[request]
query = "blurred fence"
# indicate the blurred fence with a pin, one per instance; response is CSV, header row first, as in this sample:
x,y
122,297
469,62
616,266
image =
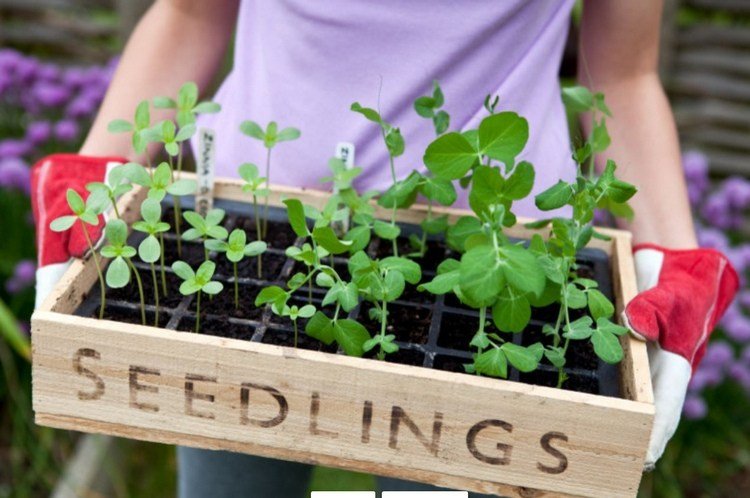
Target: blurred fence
x,y
705,59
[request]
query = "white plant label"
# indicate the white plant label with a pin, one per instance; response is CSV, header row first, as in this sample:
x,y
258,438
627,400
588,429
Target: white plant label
x,y
204,198
345,152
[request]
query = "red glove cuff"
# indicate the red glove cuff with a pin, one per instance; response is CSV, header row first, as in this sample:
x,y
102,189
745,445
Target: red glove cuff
x,y
690,292
51,177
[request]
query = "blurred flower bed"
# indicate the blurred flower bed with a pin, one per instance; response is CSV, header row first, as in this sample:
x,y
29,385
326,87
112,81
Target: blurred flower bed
x,y
46,108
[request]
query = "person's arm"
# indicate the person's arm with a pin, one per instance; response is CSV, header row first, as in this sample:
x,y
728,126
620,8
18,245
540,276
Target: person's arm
x,y
176,41
619,52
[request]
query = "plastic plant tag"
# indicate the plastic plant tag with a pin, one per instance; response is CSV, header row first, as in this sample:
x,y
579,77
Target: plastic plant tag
x,y
345,152
206,162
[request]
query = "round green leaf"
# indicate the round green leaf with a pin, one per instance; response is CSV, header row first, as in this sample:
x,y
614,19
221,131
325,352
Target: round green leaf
x,y
182,187
607,346
511,312
450,156
118,273
62,223
149,249
213,287
503,136
183,270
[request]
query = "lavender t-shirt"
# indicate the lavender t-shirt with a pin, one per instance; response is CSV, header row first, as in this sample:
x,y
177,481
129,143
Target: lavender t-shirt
x,y
302,63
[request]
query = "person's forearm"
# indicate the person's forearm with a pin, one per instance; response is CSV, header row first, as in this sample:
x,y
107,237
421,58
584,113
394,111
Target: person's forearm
x,y
646,149
176,41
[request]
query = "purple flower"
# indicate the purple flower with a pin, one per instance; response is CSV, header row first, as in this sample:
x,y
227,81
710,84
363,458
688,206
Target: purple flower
x,y
741,374
50,94
694,408
14,148
38,132
695,165
48,72
737,327
737,192
718,354
84,105
22,278
705,376
14,173
712,238
66,130
716,211
743,298
745,356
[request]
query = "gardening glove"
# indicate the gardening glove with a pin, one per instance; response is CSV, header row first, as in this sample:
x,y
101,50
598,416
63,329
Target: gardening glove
x,y
683,294
51,177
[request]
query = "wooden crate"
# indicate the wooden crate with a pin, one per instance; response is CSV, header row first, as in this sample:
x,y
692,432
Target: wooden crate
x,y
453,430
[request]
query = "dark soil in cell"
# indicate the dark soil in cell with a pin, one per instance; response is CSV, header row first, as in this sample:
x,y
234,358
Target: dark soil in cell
x,y
457,330
283,337
130,293
450,363
580,383
280,235
128,315
384,248
585,270
218,326
403,356
222,304
192,253
271,266
409,323
413,295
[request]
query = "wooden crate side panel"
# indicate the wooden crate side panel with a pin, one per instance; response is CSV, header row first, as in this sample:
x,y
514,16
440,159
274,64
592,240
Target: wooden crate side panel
x,y
188,389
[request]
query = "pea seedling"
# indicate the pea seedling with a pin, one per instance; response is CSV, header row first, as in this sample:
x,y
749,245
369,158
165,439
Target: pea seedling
x,y
150,249
236,248
118,271
86,213
196,282
270,138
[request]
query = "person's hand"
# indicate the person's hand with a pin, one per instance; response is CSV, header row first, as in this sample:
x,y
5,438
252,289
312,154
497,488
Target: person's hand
x,y
683,294
51,177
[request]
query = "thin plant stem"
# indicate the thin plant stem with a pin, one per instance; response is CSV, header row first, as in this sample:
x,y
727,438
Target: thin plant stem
x,y
482,320
198,314
309,291
383,320
265,202
393,222
114,206
423,247
295,332
260,234
102,296
236,287
178,224
161,257
156,294
140,289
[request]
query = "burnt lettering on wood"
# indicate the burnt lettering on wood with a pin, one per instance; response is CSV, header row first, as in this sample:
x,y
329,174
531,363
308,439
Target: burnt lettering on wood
x,y
191,394
136,386
398,415
81,370
245,403
471,442
314,412
366,421
562,460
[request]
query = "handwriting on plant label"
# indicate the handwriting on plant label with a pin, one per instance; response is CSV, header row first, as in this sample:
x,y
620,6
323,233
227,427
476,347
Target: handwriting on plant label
x,y
483,440
205,171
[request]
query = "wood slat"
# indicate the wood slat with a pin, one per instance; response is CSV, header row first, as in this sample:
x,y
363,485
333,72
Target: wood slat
x,y
706,84
731,6
716,61
703,35
691,113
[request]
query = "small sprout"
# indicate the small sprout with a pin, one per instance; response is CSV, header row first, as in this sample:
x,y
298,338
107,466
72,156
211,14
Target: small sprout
x,y
187,105
270,138
254,184
106,194
236,248
160,184
150,249
293,313
196,282
166,133
140,128
86,213
205,228
118,272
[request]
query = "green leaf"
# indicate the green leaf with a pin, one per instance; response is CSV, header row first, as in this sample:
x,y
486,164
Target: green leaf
x,y
575,297
212,287
555,355
320,327
205,271
255,248
350,335
151,211
164,103
394,285
620,191
118,273
395,142
75,202
149,249
554,197
349,297
62,223
579,329
492,363
440,190
481,277
306,311
288,134
599,305
425,106
183,270
207,108
409,269
89,217
368,113
252,129
116,232
607,346
296,214
605,325
442,121
386,230
464,227
450,156
185,132
511,312
326,237
577,99
522,270
442,283
434,226
487,186
359,236
600,139
189,287
520,182
269,294
119,126
503,136
524,359
142,116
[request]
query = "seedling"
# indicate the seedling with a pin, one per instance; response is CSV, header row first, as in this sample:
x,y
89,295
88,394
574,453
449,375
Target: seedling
x,y
293,313
270,138
118,271
237,248
140,128
107,193
254,184
86,213
196,282
150,249
402,193
205,228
